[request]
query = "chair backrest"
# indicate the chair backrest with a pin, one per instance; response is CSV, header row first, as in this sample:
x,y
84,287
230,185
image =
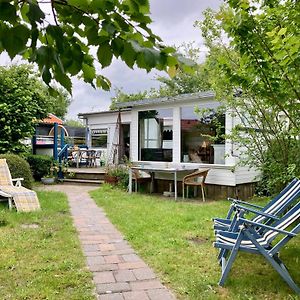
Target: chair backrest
x,y
290,218
5,177
282,201
203,174
136,174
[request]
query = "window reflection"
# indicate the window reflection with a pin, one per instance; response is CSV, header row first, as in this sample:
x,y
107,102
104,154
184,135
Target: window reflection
x,y
199,136
156,135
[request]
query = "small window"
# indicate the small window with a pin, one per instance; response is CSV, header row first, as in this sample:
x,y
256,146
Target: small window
x,y
99,138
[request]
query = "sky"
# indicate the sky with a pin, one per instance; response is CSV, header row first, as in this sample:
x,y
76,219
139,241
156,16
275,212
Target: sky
x,y
173,21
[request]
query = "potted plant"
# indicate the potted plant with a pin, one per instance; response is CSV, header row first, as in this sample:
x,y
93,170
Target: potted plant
x,y
116,174
50,178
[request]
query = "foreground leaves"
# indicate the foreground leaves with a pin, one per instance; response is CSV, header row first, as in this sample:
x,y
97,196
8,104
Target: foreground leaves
x,y
62,42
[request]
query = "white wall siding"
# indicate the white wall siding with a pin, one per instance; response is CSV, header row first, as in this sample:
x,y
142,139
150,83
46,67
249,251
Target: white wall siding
x,y
176,135
134,136
246,175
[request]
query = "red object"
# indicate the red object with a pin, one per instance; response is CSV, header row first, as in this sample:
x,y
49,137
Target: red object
x,y
51,119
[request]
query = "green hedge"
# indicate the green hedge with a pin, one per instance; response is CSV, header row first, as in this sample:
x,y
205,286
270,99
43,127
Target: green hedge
x,y
19,168
40,165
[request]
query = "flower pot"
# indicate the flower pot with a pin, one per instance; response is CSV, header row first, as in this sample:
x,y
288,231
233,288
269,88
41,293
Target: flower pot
x,y
113,180
48,180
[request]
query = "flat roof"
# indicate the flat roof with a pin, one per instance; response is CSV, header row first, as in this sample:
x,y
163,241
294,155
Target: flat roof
x,y
169,99
126,106
103,112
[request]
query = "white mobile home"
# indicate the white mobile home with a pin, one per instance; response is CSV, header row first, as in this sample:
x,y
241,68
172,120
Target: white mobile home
x,y
169,130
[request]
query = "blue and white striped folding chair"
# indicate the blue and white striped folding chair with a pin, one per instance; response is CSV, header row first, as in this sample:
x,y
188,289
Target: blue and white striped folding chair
x,y
249,240
262,214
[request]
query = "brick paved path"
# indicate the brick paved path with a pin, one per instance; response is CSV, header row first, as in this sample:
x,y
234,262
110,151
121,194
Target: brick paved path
x,y
118,272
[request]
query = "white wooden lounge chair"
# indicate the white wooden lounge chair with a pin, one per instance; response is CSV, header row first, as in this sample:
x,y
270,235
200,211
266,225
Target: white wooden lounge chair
x,y
23,199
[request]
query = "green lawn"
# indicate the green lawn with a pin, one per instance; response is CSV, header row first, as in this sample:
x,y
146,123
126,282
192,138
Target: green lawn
x,y
44,262
175,239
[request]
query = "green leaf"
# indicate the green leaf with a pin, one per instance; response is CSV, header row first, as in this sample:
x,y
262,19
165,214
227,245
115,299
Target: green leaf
x,y
16,40
128,55
150,58
7,12
172,71
35,14
108,27
98,4
89,72
92,35
282,31
104,55
117,46
57,34
79,3
46,75
103,82
63,79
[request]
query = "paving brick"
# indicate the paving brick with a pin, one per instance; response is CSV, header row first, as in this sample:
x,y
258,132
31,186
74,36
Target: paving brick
x,y
95,260
124,275
135,295
106,247
103,267
143,273
146,285
114,296
132,265
160,294
90,248
112,259
131,257
108,288
104,277
118,252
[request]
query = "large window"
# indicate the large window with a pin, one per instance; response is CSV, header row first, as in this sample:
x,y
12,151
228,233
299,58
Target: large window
x,y
202,135
156,135
99,138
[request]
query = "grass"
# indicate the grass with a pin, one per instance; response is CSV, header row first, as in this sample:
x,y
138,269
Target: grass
x,y
175,239
43,262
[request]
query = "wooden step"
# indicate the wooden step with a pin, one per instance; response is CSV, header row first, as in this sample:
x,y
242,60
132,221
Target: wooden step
x,y
83,181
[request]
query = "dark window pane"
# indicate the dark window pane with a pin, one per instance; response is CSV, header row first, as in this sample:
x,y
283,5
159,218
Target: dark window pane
x,y
156,135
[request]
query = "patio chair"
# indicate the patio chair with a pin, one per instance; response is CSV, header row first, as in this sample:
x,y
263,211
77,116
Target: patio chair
x,y
195,179
265,214
249,240
24,199
140,177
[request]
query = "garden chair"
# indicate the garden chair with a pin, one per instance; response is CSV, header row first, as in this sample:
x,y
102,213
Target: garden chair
x,y
140,177
262,214
249,240
195,179
23,199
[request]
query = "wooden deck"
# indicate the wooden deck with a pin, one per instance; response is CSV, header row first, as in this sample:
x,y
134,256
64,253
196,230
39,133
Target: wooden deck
x,y
97,170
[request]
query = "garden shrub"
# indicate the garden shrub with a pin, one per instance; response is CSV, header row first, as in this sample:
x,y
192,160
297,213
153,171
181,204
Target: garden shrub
x,y
121,173
40,165
19,168
279,167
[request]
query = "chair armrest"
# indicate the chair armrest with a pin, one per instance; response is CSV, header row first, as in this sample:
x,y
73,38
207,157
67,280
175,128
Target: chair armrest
x,y
241,207
18,181
245,221
196,174
244,203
